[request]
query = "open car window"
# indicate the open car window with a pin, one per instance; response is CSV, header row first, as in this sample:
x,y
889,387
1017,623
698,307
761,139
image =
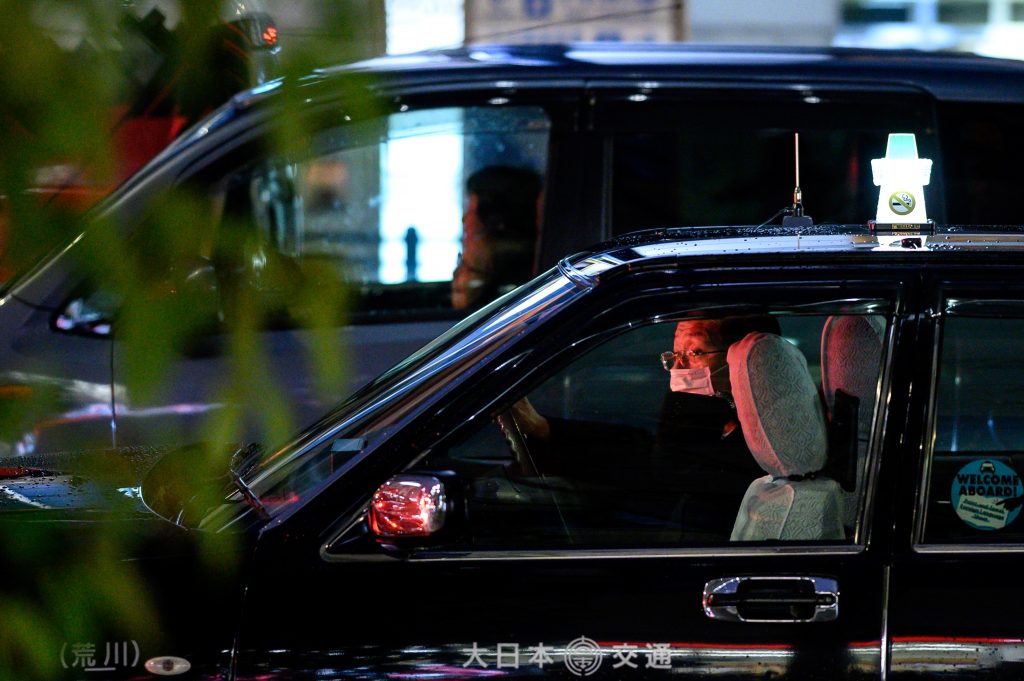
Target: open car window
x,y
613,450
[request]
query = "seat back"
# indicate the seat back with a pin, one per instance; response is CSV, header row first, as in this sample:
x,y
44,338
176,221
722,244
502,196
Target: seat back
x,y
851,356
784,426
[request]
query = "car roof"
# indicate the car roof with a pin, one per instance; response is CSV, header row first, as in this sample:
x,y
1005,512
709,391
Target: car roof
x,y
654,247
948,76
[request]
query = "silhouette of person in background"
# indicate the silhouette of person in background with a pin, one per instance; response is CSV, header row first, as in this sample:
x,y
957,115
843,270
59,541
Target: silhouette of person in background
x,y
499,234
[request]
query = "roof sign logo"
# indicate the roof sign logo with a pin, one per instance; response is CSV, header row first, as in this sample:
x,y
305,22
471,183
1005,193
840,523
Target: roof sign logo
x,y
901,203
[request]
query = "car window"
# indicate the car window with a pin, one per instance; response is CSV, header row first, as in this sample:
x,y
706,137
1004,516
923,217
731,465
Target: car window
x,y
974,489
644,441
422,211
979,144
730,160
424,214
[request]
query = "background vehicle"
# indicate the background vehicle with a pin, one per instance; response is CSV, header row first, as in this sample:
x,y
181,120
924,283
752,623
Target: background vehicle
x,y
624,137
567,561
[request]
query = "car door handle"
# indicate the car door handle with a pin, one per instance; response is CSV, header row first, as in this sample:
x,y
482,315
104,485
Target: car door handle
x,y
772,599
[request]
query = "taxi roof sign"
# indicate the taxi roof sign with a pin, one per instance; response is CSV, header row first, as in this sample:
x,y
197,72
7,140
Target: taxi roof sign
x,y
902,176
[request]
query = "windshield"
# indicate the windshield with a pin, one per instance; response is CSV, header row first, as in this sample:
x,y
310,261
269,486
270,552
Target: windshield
x,y
283,477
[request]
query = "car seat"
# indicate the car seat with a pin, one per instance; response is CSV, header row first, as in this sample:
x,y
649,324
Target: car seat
x,y
851,355
783,424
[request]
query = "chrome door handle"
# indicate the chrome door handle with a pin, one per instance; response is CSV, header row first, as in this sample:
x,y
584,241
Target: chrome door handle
x,y
772,599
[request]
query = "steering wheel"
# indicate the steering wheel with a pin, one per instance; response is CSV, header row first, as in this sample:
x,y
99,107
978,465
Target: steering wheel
x,y
525,467
516,442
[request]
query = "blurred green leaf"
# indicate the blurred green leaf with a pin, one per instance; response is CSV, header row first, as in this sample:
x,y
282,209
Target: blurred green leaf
x,y
71,84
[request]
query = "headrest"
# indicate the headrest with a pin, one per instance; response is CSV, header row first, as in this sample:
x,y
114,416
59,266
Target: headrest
x,y
777,405
851,354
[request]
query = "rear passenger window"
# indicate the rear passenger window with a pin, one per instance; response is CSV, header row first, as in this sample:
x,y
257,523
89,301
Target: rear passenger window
x,y
700,431
975,491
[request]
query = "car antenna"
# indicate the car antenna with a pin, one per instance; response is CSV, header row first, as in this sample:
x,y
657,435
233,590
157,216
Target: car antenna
x,y
795,217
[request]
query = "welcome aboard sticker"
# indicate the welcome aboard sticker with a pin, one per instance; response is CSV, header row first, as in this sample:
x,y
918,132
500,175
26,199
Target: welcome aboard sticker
x,y
981,491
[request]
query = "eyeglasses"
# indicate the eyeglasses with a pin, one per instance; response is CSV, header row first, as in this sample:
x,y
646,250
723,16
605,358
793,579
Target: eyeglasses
x,y
669,359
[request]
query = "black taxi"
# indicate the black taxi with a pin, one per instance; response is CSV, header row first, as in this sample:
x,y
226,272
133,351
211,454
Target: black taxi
x,y
759,452
875,533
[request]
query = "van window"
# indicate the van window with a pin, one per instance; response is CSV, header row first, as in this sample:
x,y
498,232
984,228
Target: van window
x,y
398,205
728,159
981,144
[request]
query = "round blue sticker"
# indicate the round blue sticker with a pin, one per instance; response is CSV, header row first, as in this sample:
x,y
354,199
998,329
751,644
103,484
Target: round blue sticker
x,y
987,494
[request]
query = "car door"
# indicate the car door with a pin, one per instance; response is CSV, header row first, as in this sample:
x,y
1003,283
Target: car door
x,y
954,605
583,557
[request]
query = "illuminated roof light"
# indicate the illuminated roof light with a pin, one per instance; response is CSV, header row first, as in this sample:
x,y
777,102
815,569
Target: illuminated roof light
x,y
902,177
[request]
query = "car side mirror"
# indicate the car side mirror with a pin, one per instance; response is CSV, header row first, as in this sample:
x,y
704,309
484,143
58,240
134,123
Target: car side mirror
x,y
90,317
408,506
94,313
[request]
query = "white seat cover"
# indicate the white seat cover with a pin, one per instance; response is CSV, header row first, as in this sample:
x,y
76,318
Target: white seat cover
x,y
789,511
851,357
784,426
851,354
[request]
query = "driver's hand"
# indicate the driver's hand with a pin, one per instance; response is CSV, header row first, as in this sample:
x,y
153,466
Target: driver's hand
x,y
531,423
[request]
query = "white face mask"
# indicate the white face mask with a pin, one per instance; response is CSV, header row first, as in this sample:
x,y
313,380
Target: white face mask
x,y
694,381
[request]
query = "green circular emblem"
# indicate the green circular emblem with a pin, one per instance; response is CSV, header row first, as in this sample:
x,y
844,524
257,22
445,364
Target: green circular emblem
x,y
901,203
